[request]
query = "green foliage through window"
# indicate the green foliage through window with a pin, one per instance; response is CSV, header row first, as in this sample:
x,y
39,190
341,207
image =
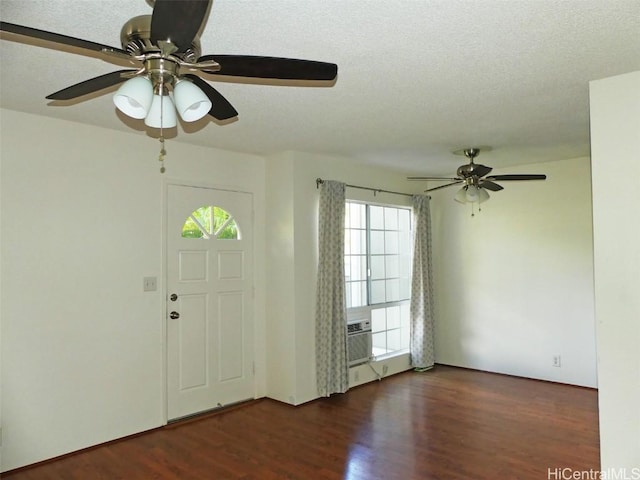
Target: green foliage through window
x,y
208,222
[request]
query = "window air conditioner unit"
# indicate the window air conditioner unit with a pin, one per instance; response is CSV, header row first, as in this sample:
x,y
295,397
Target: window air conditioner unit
x,y
358,342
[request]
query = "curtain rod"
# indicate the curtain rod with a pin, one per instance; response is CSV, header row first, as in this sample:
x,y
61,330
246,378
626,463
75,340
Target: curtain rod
x,y
320,181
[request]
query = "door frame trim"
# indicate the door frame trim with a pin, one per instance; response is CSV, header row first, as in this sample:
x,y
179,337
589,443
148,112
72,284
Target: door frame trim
x,y
164,223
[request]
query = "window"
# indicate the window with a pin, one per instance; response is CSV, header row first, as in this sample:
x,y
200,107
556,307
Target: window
x,y
378,272
208,222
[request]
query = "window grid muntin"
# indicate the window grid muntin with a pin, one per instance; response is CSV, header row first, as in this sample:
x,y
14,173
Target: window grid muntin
x,y
211,221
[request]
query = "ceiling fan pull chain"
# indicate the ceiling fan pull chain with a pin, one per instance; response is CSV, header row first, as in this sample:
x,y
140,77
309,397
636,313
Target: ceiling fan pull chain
x,y
163,152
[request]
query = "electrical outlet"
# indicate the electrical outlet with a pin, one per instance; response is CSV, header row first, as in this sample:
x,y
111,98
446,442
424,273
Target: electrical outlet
x,y
385,369
557,361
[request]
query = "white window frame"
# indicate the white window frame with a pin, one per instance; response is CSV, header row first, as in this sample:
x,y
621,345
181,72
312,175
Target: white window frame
x,y
397,307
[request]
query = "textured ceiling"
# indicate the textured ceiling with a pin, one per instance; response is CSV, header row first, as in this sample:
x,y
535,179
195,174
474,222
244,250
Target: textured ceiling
x,y
417,79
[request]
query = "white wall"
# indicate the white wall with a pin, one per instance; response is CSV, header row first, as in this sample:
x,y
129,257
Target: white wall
x,y
297,262
281,287
1,263
615,131
514,283
82,344
81,225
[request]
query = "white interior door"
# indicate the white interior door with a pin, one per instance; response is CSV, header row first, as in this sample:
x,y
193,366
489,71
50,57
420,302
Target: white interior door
x,y
209,306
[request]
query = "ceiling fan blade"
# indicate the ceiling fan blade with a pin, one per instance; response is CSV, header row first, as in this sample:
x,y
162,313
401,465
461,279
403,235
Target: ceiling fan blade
x,y
443,186
489,185
481,170
517,177
92,85
272,67
221,109
432,178
57,38
177,21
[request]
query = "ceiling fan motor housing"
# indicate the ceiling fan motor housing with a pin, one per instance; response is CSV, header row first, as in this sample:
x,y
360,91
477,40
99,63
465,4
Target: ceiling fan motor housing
x,y
470,170
135,38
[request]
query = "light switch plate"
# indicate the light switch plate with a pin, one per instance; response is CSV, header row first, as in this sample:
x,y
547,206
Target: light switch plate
x,y
150,284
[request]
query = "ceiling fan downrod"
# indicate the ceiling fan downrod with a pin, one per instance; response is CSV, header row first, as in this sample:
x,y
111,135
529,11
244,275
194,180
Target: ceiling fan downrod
x,y
471,153
467,171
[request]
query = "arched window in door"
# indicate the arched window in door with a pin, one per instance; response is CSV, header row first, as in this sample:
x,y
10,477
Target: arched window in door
x,y
211,222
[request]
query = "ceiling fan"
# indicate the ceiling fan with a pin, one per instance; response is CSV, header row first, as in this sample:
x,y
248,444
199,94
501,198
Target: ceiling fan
x,y
164,52
474,180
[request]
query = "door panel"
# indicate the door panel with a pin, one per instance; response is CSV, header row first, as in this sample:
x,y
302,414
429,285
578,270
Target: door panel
x,y
232,349
192,339
193,265
210,270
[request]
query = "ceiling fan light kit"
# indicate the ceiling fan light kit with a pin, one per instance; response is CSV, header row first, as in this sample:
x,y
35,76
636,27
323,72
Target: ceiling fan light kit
x,y
471,194
164,49
162,113
134,97
473,177
191,102
139,98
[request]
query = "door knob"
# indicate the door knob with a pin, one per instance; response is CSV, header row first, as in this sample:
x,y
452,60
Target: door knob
x,y
173,297
174,315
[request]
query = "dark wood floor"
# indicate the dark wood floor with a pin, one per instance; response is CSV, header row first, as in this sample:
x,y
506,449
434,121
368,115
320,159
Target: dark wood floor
x,y
448,423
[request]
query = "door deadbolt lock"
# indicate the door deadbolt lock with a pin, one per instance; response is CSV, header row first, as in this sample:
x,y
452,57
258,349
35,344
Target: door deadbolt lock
x,y
173,297
174,315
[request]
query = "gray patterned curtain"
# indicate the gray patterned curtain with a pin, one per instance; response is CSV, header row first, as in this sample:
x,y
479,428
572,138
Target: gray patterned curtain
x,y
332,369
421,309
